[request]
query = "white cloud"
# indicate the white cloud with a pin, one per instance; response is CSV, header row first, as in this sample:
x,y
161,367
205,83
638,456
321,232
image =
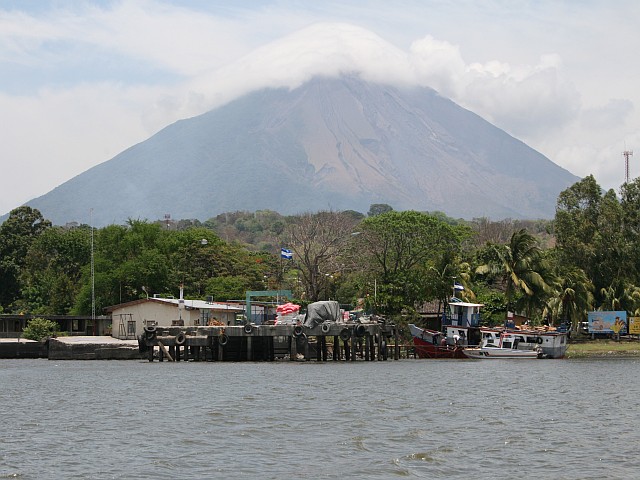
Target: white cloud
x,y
91,81
438,64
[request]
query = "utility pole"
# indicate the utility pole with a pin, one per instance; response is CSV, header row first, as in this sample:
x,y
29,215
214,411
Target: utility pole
x,y
626,154
93,275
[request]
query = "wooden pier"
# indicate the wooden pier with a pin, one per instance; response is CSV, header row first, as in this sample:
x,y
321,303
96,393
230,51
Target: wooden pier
x,y
327,341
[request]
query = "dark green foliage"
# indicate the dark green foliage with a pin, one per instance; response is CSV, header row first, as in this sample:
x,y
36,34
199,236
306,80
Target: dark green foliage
x,y
50,280
389,262
39,328
379,209
598,234
17,234
494,309
401,249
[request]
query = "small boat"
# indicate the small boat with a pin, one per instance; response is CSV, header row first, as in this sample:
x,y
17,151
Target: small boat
x,y
553,343
460,329
433,344
507,348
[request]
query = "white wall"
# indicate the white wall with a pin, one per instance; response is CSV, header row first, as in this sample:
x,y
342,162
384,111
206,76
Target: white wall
x,y
161,313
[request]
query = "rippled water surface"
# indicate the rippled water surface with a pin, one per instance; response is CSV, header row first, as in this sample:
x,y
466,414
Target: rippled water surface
x,y
549,419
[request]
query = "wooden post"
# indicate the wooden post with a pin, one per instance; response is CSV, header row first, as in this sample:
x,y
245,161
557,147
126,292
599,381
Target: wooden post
x,y
336,348
396,347
220,352
293,349
373,345
249,349
164,351
150,353
347,350
318,349
272,349
367,347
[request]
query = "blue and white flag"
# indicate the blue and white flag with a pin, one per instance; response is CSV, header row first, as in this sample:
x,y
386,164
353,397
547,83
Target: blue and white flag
x,y
286,253
458,287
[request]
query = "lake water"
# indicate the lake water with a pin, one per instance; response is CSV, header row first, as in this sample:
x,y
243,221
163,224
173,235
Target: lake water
x,y
548,419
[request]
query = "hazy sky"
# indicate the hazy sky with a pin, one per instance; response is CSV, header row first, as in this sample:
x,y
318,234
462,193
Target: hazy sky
x,y
80,81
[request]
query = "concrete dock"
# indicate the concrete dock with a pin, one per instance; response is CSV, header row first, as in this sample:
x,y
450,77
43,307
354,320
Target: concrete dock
x,y
93,348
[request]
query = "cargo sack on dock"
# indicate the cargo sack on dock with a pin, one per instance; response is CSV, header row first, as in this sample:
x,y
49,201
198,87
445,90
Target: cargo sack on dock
x,y
320,312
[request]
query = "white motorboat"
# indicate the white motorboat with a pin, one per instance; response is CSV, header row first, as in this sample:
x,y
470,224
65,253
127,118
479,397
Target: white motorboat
x,y
506,348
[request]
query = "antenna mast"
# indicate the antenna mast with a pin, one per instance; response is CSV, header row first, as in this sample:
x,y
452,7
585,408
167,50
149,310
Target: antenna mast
x,y
626,154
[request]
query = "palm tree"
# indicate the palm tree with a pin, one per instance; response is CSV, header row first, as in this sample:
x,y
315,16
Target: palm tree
x,y
619,296
522,269
574,296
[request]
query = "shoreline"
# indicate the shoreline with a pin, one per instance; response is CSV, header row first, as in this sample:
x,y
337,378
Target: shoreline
x,y
105,347
606,348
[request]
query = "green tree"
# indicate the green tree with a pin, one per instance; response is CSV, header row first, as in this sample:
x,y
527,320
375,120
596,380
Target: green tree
x,y
574,296
50,278
593,232
17,234
400,247
379,209
630,205
611,263
521,268
576,224
620,296
228,288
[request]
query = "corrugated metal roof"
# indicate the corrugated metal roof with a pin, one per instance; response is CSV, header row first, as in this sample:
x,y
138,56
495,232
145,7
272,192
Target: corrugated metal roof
x,y
195,304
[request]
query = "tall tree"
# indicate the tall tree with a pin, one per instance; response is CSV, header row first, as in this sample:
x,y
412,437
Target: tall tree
x,y
574,296
318,242
522,270
17,234
51,277
630,204
576,224
590,231
401,247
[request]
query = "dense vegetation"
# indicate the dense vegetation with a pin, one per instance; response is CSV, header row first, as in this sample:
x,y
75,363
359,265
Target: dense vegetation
x,y
386,261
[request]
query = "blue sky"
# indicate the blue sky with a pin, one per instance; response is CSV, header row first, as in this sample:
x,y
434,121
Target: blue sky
x,y
83,80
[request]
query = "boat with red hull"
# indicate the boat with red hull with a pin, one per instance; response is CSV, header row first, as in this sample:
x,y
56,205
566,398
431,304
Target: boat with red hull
x,y
460,329
433,344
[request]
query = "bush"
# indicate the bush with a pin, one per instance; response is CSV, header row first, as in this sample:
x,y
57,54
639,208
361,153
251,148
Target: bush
x,y
40,328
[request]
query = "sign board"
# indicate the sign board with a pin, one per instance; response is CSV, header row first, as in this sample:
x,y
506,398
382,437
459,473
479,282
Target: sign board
x,y
634,325
607,322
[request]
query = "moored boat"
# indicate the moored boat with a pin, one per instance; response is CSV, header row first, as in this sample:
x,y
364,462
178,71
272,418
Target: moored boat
x,y
461,328
552,343
508,347
433,344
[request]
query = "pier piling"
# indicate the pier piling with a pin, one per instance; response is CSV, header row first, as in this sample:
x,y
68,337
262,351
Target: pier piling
x,y
347,341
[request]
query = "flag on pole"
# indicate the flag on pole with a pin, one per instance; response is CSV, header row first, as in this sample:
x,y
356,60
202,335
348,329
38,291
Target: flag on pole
x,y
458,287
286,253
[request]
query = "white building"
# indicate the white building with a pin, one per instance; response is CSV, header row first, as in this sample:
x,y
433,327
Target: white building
x,y
129,319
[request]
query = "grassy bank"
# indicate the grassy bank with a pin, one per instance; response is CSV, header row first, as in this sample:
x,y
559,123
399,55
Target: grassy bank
x,y
604,348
